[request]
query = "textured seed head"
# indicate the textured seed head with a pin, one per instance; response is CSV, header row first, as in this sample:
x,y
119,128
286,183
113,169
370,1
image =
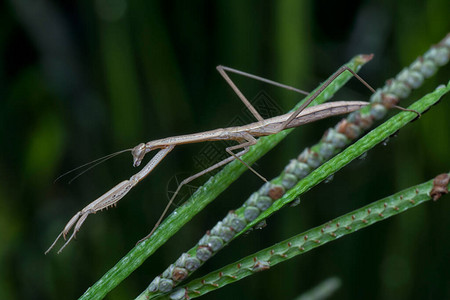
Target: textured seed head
x,y
326,150
203,253
228,218
417,65
430,54
400,89
276,192
378,111
168,272
226,234
428,69
179,274
238,224
204,240
442,56
215,243
314,159
222,231
303,157
165,285
251,213
216,229
251,201
376,97
403,75
291,166
310,157
338,140
182,260
389,100
154,285
350,130
289,181
264,189
415,79
302,170
263,203
192,264
362,121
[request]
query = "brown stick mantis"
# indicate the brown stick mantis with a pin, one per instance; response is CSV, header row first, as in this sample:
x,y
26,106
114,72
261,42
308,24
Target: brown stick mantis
x,y
244,135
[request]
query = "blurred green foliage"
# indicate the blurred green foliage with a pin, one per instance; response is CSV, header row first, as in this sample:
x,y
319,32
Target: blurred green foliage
x,y
80,80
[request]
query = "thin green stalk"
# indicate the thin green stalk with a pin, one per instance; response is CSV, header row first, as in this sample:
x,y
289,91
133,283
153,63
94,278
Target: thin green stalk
x,y
267,258
203,196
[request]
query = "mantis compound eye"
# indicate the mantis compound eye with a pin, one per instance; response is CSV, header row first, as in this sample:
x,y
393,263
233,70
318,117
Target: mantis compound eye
x,y
138,153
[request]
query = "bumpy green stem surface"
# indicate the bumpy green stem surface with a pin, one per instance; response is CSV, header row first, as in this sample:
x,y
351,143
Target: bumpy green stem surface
x,y
306,241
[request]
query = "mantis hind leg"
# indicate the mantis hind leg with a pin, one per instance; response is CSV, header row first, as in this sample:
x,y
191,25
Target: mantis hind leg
x,y
321,89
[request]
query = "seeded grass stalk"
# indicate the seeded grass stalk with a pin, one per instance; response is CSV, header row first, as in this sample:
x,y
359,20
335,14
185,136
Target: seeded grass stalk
x,y
360,147
349,223
333,141
203,196
370,140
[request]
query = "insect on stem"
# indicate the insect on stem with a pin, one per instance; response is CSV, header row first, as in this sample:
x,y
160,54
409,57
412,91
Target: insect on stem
x,y
245,136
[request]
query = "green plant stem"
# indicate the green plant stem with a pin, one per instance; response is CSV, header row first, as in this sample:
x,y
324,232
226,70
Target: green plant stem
x,y
203,196
267,258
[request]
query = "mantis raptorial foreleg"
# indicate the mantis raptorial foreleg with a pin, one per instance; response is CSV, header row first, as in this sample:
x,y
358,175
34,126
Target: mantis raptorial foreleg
x,y
110,198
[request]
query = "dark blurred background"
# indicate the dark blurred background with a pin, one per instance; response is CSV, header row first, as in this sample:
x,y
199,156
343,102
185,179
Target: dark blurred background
x,y
79,80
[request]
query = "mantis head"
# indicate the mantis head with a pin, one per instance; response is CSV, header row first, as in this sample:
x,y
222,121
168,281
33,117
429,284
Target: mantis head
x,y
138,153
